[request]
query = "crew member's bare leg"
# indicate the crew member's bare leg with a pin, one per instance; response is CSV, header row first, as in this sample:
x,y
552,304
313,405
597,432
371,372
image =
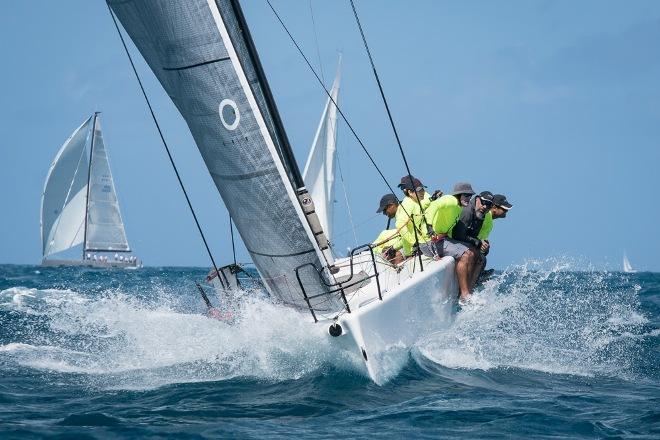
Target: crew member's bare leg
x,y
463,266
478,267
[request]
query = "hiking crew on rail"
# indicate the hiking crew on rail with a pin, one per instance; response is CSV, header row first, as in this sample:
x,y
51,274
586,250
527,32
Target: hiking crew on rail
x,y
457,225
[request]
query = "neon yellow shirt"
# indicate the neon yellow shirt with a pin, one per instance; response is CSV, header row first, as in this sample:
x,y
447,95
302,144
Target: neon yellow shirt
x,y
486,227
426,201
394,240
410,206
443,213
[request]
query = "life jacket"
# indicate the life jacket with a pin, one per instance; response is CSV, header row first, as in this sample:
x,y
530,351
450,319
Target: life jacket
x,y
469,224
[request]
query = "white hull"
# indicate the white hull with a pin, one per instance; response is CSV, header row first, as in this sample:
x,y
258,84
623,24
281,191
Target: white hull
x,y
414,304
381,332
91,263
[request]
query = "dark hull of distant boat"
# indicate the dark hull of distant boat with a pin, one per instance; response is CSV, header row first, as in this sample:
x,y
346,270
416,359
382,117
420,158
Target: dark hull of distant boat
x,y
91,263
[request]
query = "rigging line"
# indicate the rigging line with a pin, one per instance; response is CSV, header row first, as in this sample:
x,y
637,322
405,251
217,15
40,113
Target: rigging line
x,y
382,93
316,39
89,178
231,231
364,148
396,134
358,226
353,131
162,138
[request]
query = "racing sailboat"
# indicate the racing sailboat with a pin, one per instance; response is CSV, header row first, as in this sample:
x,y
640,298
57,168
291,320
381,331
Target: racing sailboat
x,y
79,204
627,267
203,55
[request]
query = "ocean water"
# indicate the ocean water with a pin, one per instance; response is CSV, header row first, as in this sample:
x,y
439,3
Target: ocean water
x,y
546,351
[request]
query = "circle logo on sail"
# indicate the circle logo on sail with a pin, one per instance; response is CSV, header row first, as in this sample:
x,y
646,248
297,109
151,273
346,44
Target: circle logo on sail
x,y
229,114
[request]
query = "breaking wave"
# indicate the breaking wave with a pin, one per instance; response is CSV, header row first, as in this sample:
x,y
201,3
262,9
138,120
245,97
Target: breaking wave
x,y
117,340
545,316
542,316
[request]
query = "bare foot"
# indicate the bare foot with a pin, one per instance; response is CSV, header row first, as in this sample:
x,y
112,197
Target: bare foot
x,y
464,299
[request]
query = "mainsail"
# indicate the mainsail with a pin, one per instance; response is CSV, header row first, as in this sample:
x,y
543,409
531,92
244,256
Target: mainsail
x,y
319,172
202,53
65,193
105,228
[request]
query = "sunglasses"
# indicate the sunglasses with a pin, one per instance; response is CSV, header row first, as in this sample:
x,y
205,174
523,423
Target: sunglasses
x,y
486,203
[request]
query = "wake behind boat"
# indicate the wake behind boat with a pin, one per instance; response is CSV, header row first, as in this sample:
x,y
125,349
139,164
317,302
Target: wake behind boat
x,y
202,53
79,205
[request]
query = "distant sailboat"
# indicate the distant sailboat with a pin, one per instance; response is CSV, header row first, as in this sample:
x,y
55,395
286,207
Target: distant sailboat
x,y
627,267
79,204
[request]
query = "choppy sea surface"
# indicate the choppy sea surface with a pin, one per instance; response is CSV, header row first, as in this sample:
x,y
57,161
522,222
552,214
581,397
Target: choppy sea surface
x,y
547,352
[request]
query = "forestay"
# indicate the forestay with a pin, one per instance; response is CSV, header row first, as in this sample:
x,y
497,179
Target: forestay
x,y
319,171
65,193
202,54
105,228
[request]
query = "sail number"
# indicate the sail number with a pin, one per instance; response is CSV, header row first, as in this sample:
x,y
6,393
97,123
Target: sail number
x,y
229,114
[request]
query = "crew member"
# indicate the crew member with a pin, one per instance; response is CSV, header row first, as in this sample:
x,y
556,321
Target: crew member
x,y
467,230
500,209
410,221
443,214
389,243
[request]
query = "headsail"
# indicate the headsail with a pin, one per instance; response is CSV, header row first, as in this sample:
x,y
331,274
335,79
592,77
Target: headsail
x,y
105,228
65,192
202,53
319,172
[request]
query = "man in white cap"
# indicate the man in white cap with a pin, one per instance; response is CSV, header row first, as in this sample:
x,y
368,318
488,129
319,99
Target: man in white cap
x,y
499,209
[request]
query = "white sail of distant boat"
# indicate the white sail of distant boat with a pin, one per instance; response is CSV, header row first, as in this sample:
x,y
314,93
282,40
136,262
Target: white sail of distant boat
x,y
202,54
627,267
319,171
79,203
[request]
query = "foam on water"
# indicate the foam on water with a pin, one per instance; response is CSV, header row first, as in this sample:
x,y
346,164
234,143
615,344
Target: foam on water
x,y
120,341
544,317
539,316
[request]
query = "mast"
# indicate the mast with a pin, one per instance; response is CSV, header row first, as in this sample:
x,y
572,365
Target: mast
x,y
89,175
281,141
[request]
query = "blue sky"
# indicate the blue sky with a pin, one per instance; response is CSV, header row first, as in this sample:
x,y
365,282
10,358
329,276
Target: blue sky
x,y
554,103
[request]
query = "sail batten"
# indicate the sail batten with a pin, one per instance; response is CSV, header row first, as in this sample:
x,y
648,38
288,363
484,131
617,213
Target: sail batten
x,y
230,114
